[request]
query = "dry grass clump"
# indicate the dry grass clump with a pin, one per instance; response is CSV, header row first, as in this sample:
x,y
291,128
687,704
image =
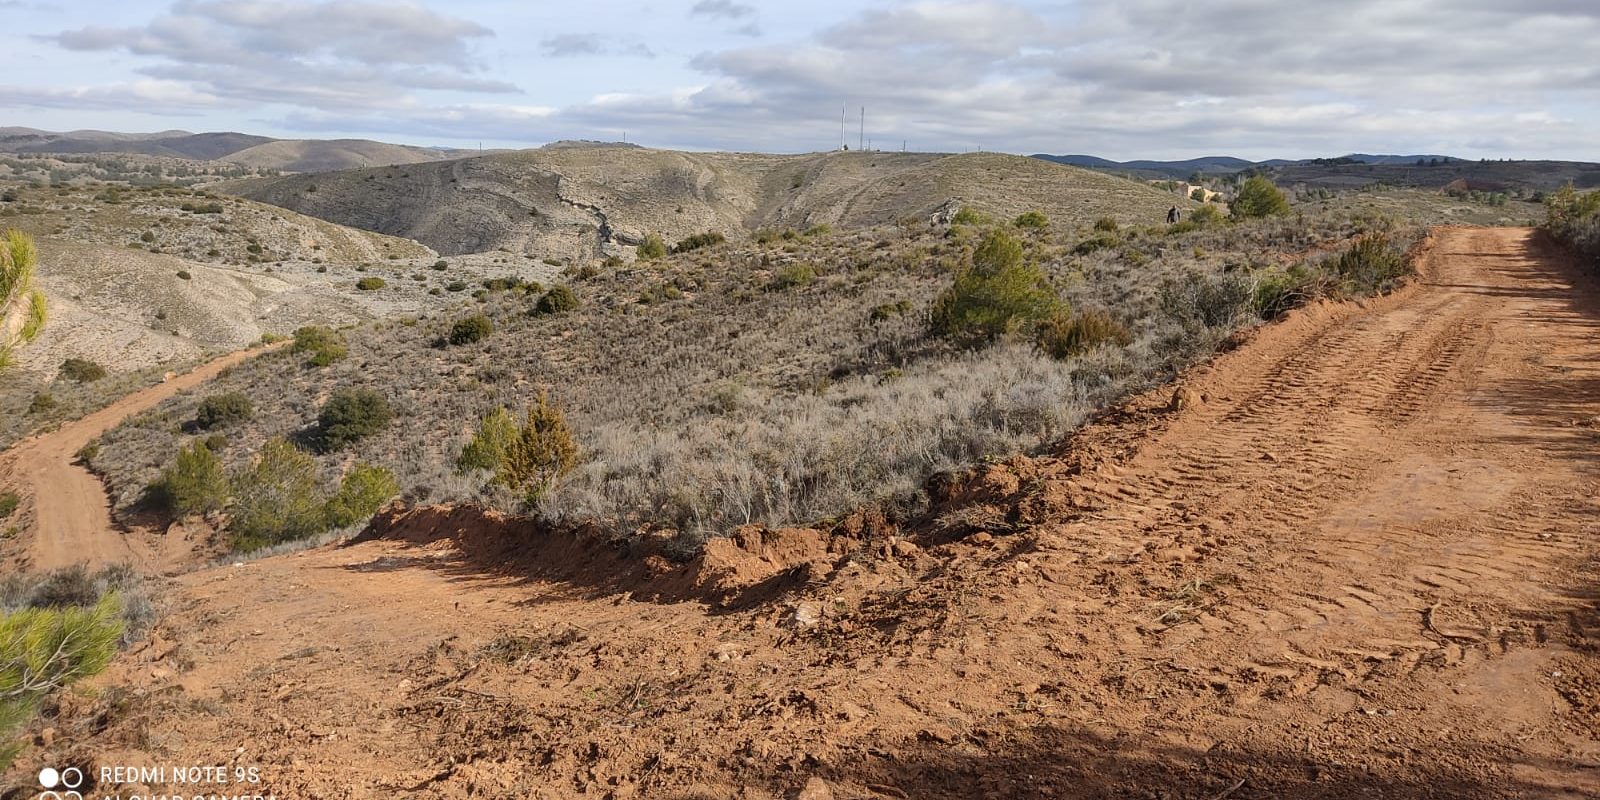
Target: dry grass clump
x,y
743,396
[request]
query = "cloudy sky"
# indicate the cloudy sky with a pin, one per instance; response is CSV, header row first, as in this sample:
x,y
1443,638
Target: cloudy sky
x,y
1117,78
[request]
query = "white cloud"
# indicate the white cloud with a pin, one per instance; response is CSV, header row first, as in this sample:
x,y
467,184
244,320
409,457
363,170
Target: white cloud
x,y
317,54
1120,78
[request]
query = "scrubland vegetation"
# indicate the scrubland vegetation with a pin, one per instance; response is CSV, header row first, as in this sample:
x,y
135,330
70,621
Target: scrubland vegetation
x,y
1574,219
59,628
785,379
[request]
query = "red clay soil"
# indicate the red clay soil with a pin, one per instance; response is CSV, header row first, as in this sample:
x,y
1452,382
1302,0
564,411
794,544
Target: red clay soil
x,y
1354,557
70,513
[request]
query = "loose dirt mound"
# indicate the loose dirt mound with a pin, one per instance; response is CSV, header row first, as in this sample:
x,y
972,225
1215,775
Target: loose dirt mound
x,y
748,567
1358,559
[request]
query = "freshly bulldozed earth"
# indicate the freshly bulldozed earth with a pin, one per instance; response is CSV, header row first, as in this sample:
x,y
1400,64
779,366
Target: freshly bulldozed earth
x,y
1355,556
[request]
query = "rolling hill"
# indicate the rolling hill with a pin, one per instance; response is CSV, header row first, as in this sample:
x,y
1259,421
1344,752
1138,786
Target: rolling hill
x,y
577,201
287,155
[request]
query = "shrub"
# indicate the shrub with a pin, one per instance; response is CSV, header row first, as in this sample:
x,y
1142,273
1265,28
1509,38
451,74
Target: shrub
x,y
995,294
1371,264
362,491
1278,293
82,370
42,403
1065,335
969,216
324,344
1106,225
223,409
489,445
370,284
87,452
793,275
456,286
542,451
471,330
559,300
44,650
351,415
1573,218
194,484
698,241
502,284
147,236
277,499
1205,215
653,248
1032,219
8,504
1208,302
441,265
183,274
1257,197
882,313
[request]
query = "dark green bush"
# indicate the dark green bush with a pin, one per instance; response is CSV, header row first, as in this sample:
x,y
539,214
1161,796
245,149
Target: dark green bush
x,y
194,484
8,504
369,284
82,370
1258,197
473,329
223,409
350,415
559,300
277,498
183,274
362,491
996,293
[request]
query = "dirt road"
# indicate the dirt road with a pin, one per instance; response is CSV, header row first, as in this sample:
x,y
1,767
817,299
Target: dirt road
x,y
1359,561
71,513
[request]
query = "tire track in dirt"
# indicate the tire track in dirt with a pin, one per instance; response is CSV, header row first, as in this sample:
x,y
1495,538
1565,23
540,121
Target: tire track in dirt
x,y
1362,562
71,513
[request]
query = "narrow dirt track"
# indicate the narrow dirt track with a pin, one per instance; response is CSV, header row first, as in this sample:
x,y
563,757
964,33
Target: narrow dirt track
x,y
1361,561
71,514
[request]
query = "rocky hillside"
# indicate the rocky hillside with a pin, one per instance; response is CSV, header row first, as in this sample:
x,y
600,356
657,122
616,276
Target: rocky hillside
x,y
583,202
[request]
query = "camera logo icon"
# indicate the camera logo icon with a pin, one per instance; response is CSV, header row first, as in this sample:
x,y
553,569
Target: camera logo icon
x,y
67,781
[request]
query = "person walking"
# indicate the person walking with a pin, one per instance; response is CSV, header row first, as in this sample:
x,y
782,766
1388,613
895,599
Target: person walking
x,y
1172,216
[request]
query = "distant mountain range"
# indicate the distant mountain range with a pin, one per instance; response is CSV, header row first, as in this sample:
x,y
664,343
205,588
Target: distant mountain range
x,y
286,155
1227,164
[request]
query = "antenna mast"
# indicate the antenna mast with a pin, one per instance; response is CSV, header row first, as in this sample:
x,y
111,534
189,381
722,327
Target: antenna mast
x,y
843,108
861,144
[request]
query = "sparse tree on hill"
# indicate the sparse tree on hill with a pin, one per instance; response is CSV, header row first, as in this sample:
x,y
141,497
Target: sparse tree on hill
x,y
541,453
1258,197
22,309
998,293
